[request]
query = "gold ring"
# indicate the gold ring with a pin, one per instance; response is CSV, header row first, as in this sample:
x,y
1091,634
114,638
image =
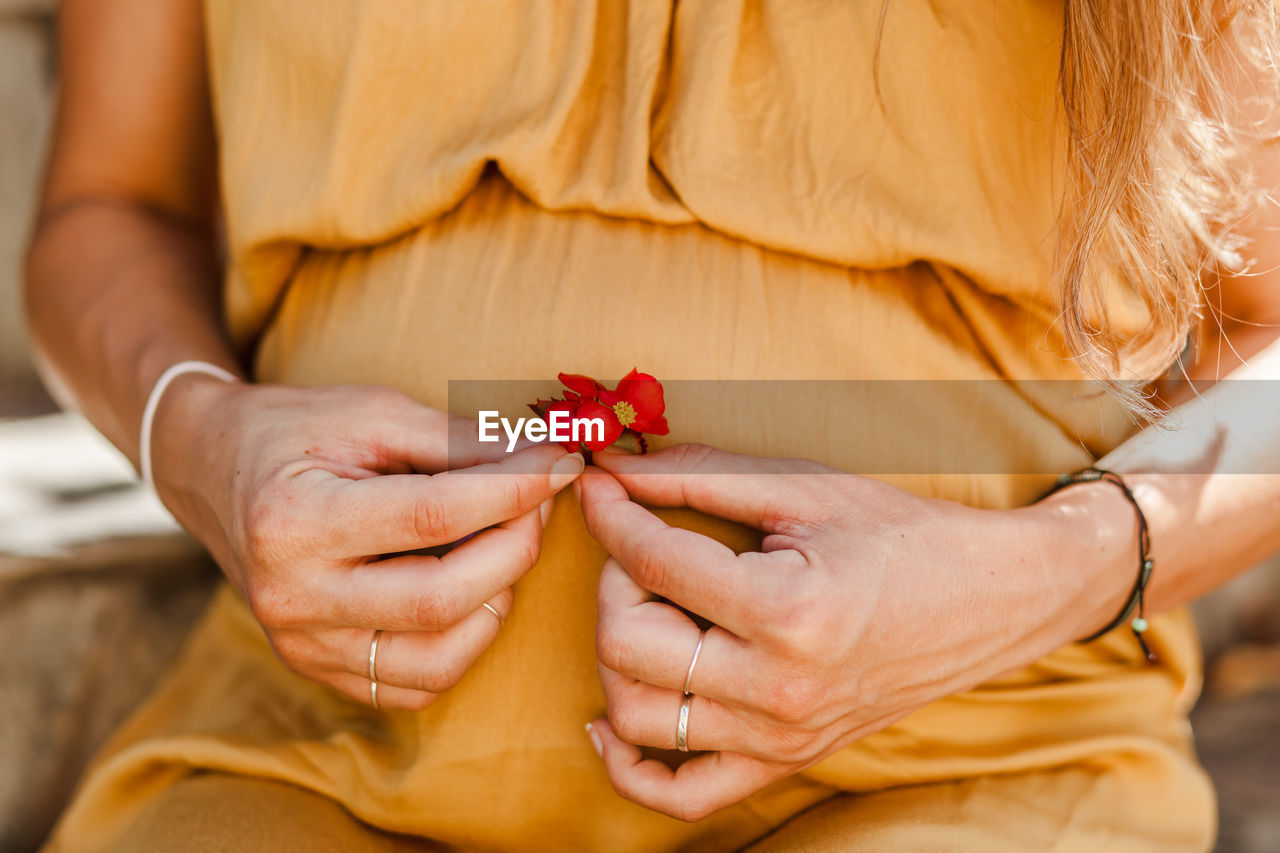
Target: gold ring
x,y
373,669
682,726
494,611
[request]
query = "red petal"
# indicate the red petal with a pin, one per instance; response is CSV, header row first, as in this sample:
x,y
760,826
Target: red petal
x,y
544,408
541,406
591,410
583,385
652,426
644,393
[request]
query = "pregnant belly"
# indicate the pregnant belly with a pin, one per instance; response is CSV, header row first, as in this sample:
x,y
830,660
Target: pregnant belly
x,y
500,290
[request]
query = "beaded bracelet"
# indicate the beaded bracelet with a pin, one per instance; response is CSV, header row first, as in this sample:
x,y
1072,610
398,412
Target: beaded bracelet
x,y
1145,564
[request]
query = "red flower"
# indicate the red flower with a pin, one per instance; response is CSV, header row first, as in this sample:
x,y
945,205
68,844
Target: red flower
x,y
635,406
637,403
544,408
582,386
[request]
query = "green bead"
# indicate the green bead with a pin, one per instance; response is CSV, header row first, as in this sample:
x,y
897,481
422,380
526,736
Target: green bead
x,y
1148,564
1139,625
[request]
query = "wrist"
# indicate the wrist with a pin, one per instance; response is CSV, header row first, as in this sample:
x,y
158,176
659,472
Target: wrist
x,y
1090,545
186,435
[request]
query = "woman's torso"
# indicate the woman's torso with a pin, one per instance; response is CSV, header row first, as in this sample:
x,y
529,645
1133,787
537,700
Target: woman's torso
x,y
420,192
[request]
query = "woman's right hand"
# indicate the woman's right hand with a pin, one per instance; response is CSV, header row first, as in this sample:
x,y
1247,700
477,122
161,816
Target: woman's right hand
x,y
299,493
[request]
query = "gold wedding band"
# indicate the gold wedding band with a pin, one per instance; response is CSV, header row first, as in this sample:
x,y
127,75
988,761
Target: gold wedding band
x,y
494,611
688,678
373,669
682,726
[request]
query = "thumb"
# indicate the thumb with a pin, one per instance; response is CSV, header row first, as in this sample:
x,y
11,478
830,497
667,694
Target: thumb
x,y
757,491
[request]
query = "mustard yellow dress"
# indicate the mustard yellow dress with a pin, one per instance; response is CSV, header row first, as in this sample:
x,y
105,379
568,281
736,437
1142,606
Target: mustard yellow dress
x,y
420,191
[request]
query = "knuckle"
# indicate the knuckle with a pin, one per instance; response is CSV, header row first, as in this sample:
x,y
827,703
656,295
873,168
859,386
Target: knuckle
x,y
431,521
262,527
530,550
779,516
523,492
625,721
272,604
793,746
793,699
649,570
692,457
610,648
292,649
433,609
275,528
797,622
624,786
443,675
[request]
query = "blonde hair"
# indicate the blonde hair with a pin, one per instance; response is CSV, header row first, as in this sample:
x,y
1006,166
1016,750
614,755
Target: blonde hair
x,y
1156,172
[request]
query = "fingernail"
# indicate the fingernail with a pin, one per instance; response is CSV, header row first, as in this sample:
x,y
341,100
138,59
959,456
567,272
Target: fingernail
x,y
545,510
566,470
595,740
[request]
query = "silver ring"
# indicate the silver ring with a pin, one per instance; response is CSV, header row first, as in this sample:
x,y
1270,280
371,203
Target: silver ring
x,y
373,669
688,678
494,611
682,727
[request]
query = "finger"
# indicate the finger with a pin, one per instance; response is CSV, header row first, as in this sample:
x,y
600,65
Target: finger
x,y
403,430
433,661
428,593
650,641
757,491
644,715
404,512
389,696
694,571
466,450
690,792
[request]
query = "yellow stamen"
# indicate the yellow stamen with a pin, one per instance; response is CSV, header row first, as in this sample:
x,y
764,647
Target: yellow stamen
x,y
625,413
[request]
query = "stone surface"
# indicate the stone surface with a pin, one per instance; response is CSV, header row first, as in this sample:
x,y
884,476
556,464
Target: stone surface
x,y
98,589
83,639
63,485
1238,740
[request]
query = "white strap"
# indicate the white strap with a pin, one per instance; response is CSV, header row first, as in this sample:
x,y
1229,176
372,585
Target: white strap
x,y
153,403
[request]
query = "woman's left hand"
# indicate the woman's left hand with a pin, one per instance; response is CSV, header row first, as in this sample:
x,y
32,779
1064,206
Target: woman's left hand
x,y
865,603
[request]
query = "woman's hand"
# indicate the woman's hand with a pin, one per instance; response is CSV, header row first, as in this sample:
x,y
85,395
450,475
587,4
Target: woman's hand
x,y
299,493
864,604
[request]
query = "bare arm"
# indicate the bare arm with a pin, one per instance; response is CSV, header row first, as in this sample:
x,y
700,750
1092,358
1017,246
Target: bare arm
x,y
297,492
122,276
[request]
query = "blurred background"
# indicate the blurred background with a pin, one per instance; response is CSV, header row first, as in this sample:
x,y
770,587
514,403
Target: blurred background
x,y
98,586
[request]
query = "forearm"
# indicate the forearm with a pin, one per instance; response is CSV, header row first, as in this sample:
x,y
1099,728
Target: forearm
x,y
116,293
1209,484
